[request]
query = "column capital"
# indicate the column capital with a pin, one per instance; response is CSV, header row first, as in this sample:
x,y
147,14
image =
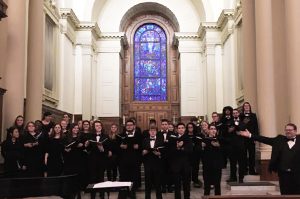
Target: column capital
x,y
112,42
187,42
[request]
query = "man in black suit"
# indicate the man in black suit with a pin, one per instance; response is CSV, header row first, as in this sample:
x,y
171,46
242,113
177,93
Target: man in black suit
x,y
166,175
152,146
285,158
130,143
181,148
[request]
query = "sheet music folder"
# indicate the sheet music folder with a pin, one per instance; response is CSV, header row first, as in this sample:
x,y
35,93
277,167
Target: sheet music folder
x,y
110,186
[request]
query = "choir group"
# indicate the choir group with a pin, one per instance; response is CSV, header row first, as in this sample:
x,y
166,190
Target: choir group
x,y
171,155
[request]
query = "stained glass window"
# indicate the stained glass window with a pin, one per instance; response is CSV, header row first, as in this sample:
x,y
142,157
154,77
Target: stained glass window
x,y
150,63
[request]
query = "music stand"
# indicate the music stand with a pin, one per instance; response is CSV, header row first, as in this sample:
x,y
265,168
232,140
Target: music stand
x,y
109,186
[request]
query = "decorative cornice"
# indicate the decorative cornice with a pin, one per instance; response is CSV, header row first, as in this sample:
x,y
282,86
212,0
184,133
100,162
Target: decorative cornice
x,y
187,35
90,26
238,14
224,17
69,15
51,10
112,35
206,26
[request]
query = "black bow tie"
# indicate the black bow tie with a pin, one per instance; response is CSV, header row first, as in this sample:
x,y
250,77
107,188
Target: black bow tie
x,y
152,139
290,139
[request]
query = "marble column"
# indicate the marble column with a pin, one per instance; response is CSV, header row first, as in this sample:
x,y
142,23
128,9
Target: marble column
x,y
265,73
249,56
35,63
16,62
292,14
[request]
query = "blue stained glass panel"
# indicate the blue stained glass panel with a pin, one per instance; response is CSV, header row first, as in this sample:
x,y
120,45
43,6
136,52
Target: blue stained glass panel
x,y
150,63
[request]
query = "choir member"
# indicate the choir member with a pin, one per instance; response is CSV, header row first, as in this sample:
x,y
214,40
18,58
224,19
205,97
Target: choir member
x,y
19,123
12,152
171,127
249,121
98,148
64,127
130,143
112,166
153,162
54,152
152,122
216,120
204,129
67,118
180,150
34,149
238,149
47,123
226,131
194,136
166,175
212,161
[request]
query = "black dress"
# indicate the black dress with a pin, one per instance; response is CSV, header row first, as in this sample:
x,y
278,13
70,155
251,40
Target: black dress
x,y
55,149
12,152
34,156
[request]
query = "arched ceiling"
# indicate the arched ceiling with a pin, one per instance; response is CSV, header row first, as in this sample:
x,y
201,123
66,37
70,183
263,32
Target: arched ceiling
x,y
149,8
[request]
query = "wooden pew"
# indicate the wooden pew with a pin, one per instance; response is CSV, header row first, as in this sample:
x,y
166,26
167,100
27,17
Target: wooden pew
x,y
64,186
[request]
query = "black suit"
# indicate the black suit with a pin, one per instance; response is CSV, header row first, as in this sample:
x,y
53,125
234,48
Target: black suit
x,y
212,159
153,167
166,174
130,161
180,165
284,161
97,159
249,121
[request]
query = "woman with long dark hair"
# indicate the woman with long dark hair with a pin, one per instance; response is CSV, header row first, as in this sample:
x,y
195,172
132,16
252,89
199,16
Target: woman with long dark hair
x,y
12,152
54,152
249,121
33,151
112,164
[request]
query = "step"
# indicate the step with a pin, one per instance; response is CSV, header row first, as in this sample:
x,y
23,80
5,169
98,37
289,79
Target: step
x,y
251,187
251,178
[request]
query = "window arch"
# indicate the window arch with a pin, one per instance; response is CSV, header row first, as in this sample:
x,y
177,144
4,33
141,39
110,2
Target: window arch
x,y
150,63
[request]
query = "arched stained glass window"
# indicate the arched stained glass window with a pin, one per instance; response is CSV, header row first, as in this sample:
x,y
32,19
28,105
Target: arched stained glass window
x,y
150,63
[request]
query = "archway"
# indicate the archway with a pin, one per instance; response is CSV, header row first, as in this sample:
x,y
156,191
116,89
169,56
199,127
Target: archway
x,y
144,110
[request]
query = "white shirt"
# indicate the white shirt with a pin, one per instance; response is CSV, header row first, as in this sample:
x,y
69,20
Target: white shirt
x,y
291,143
132,135
152,142
98,138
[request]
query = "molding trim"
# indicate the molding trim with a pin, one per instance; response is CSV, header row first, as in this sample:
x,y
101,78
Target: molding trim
x,y
225,16
113,35
69,15
51,10
205,27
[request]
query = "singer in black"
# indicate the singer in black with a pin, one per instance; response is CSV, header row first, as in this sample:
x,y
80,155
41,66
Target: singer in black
x,y
181,148
249,121
212,161
98,149
153,162
130,144
54,152
285,158
34,150
12,152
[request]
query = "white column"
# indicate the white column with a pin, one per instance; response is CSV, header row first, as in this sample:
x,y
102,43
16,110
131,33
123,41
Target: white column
x,y
35,64
292,8
249,52
192,87
265,73
108,75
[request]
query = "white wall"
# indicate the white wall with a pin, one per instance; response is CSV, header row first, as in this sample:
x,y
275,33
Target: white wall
x,y
67,75
229,76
